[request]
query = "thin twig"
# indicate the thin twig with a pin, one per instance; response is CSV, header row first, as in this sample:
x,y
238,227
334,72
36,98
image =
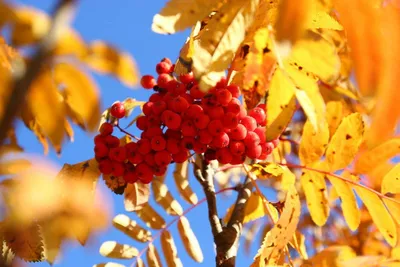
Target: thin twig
x,y
25,75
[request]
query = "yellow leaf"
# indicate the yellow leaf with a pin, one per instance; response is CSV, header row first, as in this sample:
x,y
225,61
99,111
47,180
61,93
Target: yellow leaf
x,y
71,44
135,196
269,169
219,40
313,143
7,55
292,19
131,228
377,155
181,178
281,104
189,240
394,209
13,166
334,115
81,95
184,63
308,107
333,256
153,258
278,237
105,58
150,217
169,249
178,15
379,214
314,187
254,209
345,142
165,199
112,249
391,181
320,19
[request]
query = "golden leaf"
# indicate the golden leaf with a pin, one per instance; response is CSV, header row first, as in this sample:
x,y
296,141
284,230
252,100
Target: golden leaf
x,y
131,228
169,249
139,262
165,199
153,258
184,63
269,169
377,155
345,142
178,15
105,58
218,41
379,214
308,107
136,195
320,19
314,187
150,217
81,95
70,44
313,143
391,181
333,256
7,55
281,104
334,115
253,210
292,19
112,249
394,209
13,166
278,237
189,240
27,243
181,178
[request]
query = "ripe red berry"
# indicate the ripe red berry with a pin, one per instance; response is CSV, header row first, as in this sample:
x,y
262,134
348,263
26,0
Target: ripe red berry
x,y
251,140
249,122
148,82
223,97
158,143
242,113
224,156
149,159
210,155
220,141
117,110
159,170
163,158
216,113
112,141
148,108
144,146
230,120
171,119
106,129
163,80
151,132
159,107
175,134
258,114
262,106
180,104
154,120
205,137
173,145
222,83
186,78
130,177
233,107
105,166
215,127
99,139
234,90
196,93
188,142
260,131
156,97
181,156
167,60
201,121
237,148
188,128
254,152
133,154
199,148
144,173
118,154
193,111
163,67
238,159
142,123
118,168
238,133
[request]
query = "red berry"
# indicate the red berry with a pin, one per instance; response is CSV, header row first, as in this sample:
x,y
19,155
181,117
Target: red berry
x,y
105,166
130,177
230,120
163,67
188,142
149,159
171,119
238,133
99,139
144,146
234,90
148,108
242,113
260,131
196,93
233,107
222,83
106,129
188,128
254,152
154,120
158,143
172,68
216,113
180,104
210,155
144,173
167,60
194,111
163,80
118,168
118,154
237,148
163,158
215,127
199,148
159,107
151,132
148,81
169,133
249,122
224,156
209,100
205,137
251,140
173,145
224,97
133,154
262,106
220,141
201,121
142,123
159,170
156,97
117,110
238,159
181,156
258,114
112,141
186,78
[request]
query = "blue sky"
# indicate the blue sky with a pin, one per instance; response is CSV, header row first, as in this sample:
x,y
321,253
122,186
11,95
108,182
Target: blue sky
x,y
126,24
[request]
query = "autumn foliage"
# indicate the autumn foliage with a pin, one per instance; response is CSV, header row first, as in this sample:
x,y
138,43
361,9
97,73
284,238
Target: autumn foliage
x,y
297,97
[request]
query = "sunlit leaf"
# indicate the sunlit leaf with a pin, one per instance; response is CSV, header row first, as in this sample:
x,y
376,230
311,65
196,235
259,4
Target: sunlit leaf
x,y
150,217
165,199
313,143
13,166
333,256
181,178
391,181
112,249
254,209
153,258
189,240
170,250
334,115
136,195
131,228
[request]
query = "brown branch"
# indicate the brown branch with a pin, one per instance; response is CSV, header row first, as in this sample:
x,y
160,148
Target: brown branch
x,y
25,75
226,238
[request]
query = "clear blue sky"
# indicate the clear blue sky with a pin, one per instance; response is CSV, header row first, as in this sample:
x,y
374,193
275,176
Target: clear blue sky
x,y
127,24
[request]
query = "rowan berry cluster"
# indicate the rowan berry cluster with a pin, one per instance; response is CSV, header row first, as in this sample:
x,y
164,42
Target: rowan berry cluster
x,y
180,118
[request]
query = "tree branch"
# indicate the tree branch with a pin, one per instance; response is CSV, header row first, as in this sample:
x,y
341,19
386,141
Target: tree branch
x,y
25,75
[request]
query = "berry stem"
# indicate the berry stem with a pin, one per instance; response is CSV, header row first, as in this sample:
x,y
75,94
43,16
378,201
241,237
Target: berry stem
x,y
159,233
125,132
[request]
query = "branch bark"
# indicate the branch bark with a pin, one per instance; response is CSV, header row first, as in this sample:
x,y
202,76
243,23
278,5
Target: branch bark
x,y
25,75
226,238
